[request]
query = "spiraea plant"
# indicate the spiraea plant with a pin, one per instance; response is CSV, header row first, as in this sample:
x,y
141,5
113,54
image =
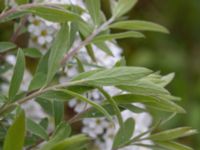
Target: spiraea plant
x,y
81,95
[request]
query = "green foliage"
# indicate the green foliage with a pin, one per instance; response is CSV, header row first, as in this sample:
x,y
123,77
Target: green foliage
x,y
17,75
136,84
5,46
16,133
124,133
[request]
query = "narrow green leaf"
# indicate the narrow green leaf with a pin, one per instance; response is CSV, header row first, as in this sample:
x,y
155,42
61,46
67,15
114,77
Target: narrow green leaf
x,y
80,65
114,76
38,81
54,14
40,76
158,103
63,130
58,49
94,10
36,129
95,105
123,6
173,146
14,139
75,142
17,75
129,34
5,46
124,133
58,112
32,52
172,134
139,25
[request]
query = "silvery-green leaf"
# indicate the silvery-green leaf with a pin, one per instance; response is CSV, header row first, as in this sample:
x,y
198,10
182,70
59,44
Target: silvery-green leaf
x,y
59,47
137,25
94,10
17,75
129,34
124,133
53,14
172,134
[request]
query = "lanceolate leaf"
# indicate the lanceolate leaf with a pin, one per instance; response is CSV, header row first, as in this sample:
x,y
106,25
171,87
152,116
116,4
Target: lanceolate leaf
x,y
94,10
139,26
36,129
158,103
14,139
17,75
5,46
40,75
114,76
173,134
130,34
54,14
58,49
123,6
124,133
58,111
173,146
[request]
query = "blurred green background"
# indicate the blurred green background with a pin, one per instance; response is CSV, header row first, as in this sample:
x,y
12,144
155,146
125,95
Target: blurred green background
x,y
177,52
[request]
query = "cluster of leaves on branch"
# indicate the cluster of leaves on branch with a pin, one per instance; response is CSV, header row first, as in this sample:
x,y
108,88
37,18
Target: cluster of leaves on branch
x,y
138,85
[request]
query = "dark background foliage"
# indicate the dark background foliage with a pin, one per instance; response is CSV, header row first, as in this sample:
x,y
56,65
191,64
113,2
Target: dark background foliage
x,y
177,52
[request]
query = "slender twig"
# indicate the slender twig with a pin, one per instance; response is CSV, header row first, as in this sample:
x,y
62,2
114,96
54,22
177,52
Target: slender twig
x,y
74,50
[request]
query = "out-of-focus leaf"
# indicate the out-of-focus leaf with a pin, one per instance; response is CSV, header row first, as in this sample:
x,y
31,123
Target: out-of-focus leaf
x,y
20,2
54,14
14,15
32,52
172,134
58,112
17,75
14,139
124,133
129,34
94,10
173,146
139,25
5,46
59,48
123,6
36,129
75,142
